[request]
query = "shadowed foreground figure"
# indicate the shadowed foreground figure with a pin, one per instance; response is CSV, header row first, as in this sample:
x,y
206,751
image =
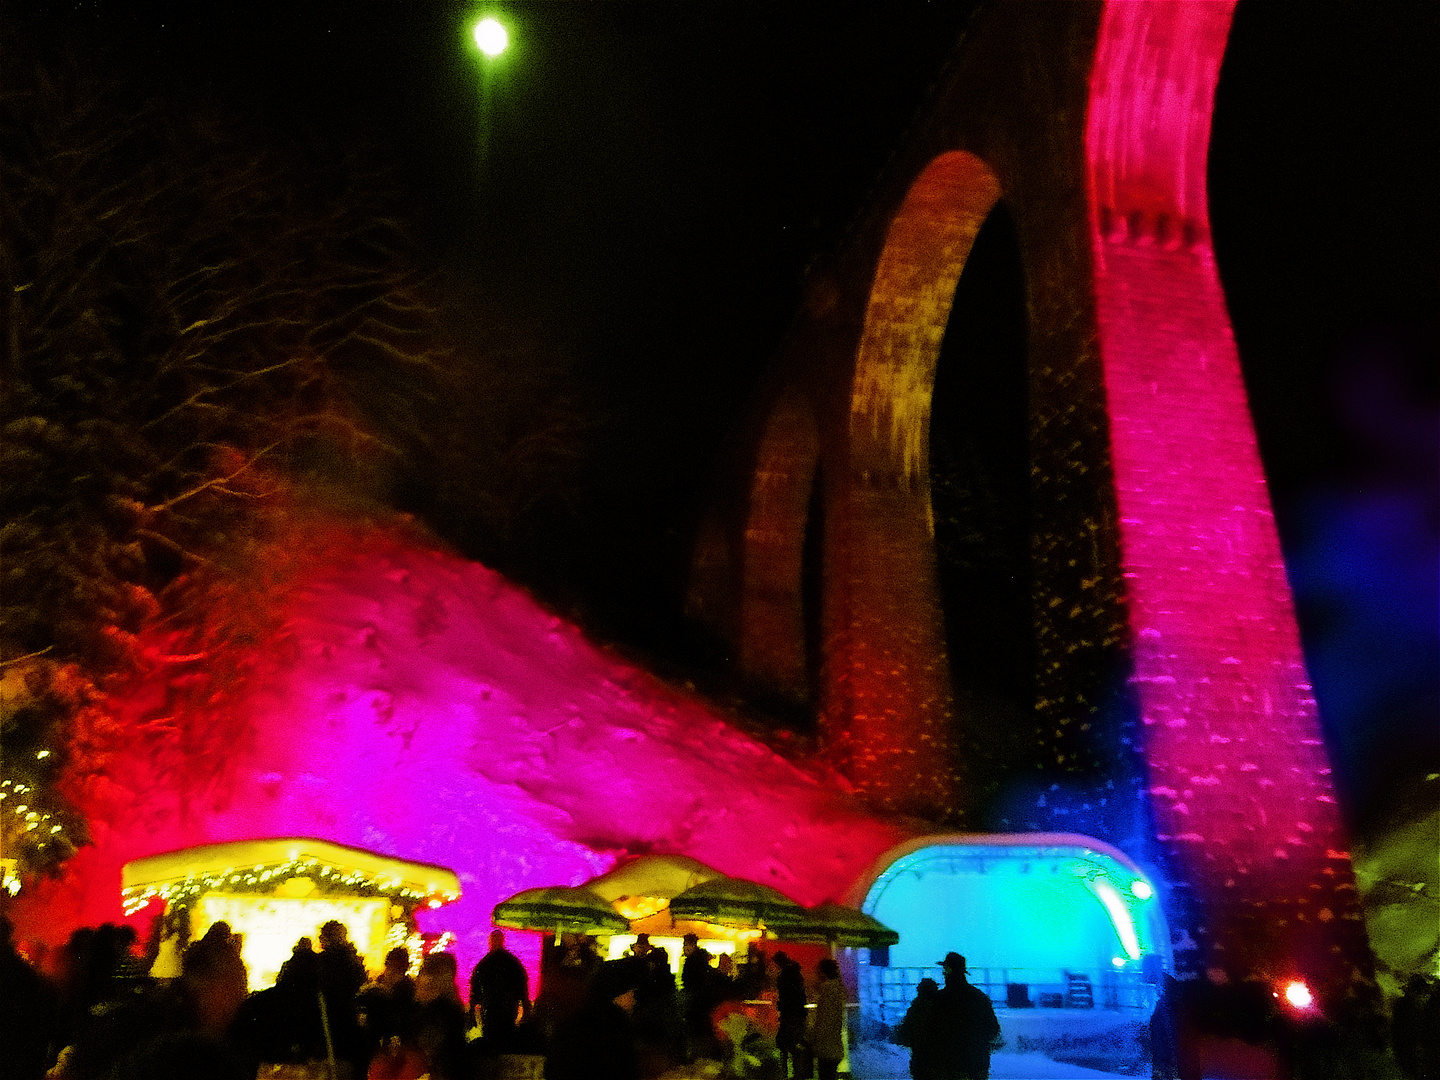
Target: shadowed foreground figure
x,y
499,994
910,1033
827,1026
954,1030
791,1002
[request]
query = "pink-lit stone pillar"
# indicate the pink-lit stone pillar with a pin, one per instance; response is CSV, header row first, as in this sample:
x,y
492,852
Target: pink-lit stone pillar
x,y
1239,778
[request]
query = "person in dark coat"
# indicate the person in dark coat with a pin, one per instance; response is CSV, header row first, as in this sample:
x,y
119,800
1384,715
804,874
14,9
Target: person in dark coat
x,y
387,1005
439,1018
913,1031
790,1003
598,1041
827,1022
963,1029
499,994
342,974
659,1027
28,1010
699,982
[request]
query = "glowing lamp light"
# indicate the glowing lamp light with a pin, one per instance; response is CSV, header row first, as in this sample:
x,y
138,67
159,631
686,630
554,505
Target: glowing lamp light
x,y
1298,995
490,37
1119,917
1117,961
1141,889
640,907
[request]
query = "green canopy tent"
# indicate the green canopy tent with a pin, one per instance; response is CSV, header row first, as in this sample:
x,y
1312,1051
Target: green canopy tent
x,y
559,908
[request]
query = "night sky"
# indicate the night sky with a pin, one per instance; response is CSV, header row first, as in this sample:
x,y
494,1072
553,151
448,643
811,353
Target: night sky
x,y
657,176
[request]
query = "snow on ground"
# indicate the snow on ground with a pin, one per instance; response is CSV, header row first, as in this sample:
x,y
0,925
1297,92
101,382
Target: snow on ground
x,y
1107,1041
879,1061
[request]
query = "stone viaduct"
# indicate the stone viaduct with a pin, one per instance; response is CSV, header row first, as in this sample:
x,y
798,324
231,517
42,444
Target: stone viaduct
x,y
1151,539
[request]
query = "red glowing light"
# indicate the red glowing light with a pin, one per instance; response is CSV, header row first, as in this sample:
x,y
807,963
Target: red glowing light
x,y
1298,995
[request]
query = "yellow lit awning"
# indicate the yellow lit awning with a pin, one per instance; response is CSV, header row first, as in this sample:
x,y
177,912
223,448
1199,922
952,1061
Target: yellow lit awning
x,y
264,865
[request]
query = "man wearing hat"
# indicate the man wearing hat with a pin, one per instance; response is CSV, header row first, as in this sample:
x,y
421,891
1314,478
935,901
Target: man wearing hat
x,y
963,1029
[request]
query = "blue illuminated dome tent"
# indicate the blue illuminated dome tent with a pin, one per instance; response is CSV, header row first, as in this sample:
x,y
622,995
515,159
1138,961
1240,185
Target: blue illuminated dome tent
x,y
1045,921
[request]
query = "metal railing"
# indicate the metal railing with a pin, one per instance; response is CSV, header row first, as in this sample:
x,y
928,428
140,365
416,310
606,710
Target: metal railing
x,y
886,992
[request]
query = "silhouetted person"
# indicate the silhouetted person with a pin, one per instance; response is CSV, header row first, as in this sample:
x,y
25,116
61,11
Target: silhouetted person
x,y
1165,1030
27,1012
964,1027
598,1042
659,1027
387,1004
641,946
911,1031
827,1026
499,994
342,973
439,1026
214,980
754,977
790,1003
389,1009
697,980
566,969
289,1012
202,1041
72,980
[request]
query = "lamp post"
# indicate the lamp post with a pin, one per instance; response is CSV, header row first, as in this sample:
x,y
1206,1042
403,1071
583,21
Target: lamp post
x,y
492,39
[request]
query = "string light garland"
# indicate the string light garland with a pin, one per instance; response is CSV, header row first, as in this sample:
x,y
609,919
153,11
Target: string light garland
x,y
263,878
313,874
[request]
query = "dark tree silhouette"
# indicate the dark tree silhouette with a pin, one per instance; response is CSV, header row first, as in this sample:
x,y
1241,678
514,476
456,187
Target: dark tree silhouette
x,y
197,325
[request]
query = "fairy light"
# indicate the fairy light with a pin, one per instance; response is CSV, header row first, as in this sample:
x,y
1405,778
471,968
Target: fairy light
x,y
261,877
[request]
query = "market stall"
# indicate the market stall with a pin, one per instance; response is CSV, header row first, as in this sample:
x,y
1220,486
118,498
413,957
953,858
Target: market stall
x,y
275,891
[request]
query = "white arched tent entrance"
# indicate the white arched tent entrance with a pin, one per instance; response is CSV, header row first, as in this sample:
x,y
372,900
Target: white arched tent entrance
x,y
1045,921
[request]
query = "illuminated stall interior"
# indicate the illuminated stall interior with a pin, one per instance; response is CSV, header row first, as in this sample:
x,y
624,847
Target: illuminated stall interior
x,y
275,891
640,891
1043,920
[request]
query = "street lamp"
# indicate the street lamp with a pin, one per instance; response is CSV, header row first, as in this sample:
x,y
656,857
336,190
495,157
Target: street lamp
x,y
491,37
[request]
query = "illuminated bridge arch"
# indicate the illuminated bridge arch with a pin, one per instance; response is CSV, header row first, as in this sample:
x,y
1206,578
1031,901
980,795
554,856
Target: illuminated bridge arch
x,y
1168,664
883,620
772,624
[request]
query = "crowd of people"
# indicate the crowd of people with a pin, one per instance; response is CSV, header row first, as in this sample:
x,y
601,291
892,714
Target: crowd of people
x,y
102,1007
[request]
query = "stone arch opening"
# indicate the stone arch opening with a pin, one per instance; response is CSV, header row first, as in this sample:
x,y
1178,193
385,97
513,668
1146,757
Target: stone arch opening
x,y
774,641
888,692
979,477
